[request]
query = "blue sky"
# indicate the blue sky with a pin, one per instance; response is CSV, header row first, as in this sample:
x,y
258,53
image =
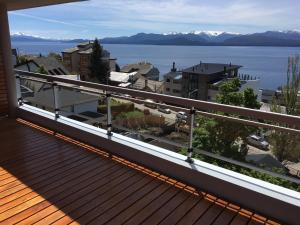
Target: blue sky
x,y
102,18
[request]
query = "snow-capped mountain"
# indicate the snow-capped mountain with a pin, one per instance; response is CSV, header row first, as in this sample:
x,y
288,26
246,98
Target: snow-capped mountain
x,y
268,38
22,37
205,38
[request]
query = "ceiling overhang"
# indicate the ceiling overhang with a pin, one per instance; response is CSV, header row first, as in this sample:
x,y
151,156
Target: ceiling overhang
x,y
26,4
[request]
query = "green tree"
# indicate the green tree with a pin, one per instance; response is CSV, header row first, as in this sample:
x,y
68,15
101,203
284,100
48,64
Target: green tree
x,y
228,93
250,99
286,146
22,59
99,69
41,69
221,136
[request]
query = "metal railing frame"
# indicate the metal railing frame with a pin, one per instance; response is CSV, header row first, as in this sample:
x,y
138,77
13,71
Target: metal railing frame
x,y
189,105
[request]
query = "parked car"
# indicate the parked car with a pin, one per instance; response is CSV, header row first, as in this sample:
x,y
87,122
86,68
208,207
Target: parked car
x,y
164,110
150,103
258,142
181,116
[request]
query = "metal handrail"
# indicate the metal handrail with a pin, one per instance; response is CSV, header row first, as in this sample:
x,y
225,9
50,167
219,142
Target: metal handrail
x,y
110,91
293,121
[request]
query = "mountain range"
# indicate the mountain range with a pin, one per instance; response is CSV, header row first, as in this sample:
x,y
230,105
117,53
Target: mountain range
x,y
21,37
195,38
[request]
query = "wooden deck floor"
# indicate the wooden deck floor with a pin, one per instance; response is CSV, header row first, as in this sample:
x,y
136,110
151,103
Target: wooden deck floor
x,y
46,178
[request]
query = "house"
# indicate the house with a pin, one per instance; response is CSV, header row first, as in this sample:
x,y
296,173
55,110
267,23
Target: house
x,y
196,79
143,69
173,82
144,84
118,78
77,59
70,100
51,65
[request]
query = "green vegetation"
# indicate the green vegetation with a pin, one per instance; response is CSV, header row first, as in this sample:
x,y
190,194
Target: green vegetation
x,y
99,69
116,107
225,137
41,69
286,146
246,171
228,138
129,115
22,59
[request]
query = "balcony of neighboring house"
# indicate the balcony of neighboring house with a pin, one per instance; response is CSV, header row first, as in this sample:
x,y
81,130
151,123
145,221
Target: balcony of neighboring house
x,y
57,170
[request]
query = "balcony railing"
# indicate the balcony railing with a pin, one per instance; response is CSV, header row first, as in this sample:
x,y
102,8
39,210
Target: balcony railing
x,y
245,116
248,117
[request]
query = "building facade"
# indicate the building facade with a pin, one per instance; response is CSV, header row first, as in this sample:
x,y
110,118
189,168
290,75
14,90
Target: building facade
x,y
77,59
196,79
143,69
173,82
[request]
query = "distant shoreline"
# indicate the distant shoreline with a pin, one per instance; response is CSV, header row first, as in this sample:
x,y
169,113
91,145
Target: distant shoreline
x,y
149,44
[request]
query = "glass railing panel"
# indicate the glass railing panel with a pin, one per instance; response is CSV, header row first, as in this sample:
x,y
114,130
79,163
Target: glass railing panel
x,y
36,92
267,153
148,121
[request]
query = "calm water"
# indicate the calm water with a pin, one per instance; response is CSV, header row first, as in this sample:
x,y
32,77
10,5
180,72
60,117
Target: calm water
x,y
268,63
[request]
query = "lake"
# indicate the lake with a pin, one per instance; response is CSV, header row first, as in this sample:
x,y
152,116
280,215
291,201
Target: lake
x,y
268,63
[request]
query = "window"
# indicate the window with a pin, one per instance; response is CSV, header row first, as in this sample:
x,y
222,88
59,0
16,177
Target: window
x,y
167,89
168,80
176,91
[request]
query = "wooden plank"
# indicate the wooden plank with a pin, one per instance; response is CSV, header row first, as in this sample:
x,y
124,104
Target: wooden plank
x,y
196,212
164,211
74,202
34,205
41,169
44,175
152,207
39,164
181,211
86,169
240,220
210,215
111,198
114,206
225,217
76,192
128,212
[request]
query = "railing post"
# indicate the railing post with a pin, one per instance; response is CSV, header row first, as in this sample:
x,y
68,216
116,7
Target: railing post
x,y
190,148
109,122
18,89
56,99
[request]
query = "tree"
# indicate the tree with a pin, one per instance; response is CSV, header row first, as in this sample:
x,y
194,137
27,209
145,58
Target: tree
x,y
228,93
99,69
22,59
250,99
41,69
222,136
286,146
